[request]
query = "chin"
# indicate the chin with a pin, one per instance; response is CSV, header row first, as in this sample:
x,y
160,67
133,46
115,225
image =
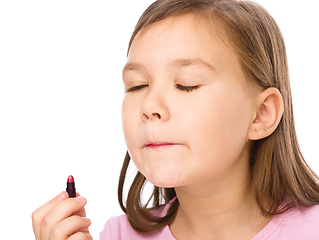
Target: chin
x,y
164,180
162,184
161,171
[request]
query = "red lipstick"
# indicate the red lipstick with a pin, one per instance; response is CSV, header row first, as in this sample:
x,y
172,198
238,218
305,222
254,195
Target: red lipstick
x,y
70,187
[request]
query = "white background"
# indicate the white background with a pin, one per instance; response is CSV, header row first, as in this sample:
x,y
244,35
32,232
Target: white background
x,y
61,93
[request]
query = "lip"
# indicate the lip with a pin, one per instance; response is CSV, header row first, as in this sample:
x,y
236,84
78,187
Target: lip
x,y
159,144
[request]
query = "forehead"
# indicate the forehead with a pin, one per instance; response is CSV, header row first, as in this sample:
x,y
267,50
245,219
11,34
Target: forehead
x,y
185,41
185,36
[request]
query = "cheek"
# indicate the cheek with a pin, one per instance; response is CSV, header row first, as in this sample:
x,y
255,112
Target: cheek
x,y
128,120
220,130
131,129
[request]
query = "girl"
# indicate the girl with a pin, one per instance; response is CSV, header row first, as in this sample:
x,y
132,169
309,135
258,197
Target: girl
x,y
208,120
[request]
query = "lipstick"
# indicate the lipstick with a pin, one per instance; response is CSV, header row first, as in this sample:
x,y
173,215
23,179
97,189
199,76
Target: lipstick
x,y
70,187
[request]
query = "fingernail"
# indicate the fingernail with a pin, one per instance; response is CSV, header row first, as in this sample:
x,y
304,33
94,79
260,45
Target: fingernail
x,y
60,196
86,219
80,199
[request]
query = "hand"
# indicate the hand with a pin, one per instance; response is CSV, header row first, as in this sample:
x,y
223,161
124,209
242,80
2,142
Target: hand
x,y
62,218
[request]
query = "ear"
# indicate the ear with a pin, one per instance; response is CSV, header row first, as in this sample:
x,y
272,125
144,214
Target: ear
x,y
268,113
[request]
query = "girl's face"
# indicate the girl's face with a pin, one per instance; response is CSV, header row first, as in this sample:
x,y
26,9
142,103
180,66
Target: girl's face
x,y
187,107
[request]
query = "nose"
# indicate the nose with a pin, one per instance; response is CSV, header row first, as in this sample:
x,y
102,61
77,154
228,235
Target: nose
x,y
154,108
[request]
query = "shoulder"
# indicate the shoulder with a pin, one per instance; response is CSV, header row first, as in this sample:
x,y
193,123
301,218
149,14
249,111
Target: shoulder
x,y
306,217
297,223
119,228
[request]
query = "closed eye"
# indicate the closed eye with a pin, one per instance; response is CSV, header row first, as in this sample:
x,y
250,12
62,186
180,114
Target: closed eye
x,y
136,88
178,86
187,88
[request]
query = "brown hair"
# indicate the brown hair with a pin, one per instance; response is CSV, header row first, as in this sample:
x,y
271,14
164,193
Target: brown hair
x,y
278,169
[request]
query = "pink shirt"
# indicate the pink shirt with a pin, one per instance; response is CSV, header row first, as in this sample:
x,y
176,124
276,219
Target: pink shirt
x,y
294,224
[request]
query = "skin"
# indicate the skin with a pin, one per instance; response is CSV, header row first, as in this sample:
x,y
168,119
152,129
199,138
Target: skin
x,y
189,118
61,218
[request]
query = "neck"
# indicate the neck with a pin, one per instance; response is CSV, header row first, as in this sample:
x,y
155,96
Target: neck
x,y
218,211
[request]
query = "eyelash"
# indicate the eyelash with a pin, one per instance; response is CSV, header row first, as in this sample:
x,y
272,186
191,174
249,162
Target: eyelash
x,y
135,88
178,86
186,88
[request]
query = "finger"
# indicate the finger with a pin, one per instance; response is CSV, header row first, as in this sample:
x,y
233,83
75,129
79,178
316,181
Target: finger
x,y
81,212
62,211
80,236
39,214
69,226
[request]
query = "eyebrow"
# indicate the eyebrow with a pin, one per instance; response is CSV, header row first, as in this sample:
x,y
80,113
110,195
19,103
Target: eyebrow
x,y
177,63
188,62
133,67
